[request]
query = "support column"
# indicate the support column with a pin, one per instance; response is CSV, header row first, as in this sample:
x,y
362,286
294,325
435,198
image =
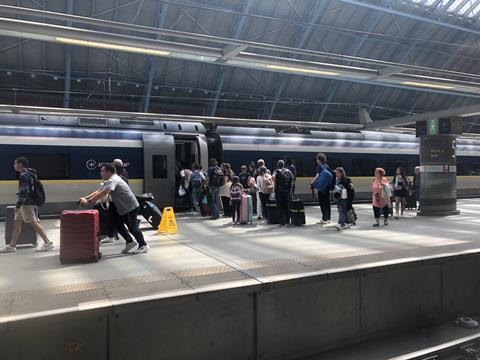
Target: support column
x,y
438,175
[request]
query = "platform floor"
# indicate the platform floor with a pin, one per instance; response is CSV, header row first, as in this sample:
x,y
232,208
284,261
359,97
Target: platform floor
x,y
208,255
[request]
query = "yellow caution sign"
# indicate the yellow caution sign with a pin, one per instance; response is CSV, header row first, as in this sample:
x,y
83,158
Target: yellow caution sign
x,y
168,225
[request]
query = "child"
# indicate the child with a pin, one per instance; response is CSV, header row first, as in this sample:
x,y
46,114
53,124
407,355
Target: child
x,y
236,191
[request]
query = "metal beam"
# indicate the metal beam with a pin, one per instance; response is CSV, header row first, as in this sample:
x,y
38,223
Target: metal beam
x,y
236,31
202,37
410,16
152,62
304,32
68,62
336,84
406,54
464,111
230,51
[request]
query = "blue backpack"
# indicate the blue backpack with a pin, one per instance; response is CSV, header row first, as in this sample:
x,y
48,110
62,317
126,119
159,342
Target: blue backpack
x,y
324,180
196,179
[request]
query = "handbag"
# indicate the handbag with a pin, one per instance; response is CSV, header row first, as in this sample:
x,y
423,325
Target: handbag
x,y
344,194
181,191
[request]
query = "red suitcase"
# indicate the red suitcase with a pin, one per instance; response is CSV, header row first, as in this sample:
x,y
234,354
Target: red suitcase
x,y
79,230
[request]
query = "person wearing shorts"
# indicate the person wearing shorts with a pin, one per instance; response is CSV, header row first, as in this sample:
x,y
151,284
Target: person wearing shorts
x,y
25,209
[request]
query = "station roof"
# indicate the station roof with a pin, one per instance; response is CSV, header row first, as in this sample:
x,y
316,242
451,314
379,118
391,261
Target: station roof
x,y
299,60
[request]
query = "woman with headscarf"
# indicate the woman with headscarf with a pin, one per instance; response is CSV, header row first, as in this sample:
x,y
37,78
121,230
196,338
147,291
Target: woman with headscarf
x,y
381,194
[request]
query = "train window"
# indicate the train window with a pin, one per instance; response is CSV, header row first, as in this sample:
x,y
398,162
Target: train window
x,y
334,163
475,168
392,166
159,163
460,168
363,167
50,166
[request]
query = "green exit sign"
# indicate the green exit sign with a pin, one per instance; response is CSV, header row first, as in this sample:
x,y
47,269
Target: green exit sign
x,y
432,127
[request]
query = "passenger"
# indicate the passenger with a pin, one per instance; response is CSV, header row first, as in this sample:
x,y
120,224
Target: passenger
x,y
265,186
251,169
381,194
225,188
416,186
283,179
120,169
214,181
400,186
197,182
244,176
344,194
126,204
260,214
290,165
25,208
236,191
323,196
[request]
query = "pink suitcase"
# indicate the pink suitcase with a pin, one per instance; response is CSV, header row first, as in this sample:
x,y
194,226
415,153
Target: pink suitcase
x,y
246,210
79,230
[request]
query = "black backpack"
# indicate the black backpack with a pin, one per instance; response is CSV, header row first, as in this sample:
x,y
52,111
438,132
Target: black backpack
x,y
37,192
283,180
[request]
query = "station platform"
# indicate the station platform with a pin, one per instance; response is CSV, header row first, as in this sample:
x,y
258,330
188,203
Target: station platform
x,y
216,257
214,254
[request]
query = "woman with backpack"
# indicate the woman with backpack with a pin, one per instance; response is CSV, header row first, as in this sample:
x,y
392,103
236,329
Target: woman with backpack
x,y
197,181
344,194
236,191
400,190
381,194
265,186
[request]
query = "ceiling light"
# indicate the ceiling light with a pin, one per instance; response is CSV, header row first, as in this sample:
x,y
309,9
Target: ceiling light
x,y
110,46
302,70
429,85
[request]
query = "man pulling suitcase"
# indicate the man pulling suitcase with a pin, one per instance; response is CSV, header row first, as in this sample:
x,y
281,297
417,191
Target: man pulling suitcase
x,y
126,204
30,195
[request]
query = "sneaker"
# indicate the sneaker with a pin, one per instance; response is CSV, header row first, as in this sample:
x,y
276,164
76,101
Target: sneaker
x,y
129,246
259,218
142,249
45,247
338,227
376,225
346,226
385,223
215,218
8,249
323,222
396,217
107,240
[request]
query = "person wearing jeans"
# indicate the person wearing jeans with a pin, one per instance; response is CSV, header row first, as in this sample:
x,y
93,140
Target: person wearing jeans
x,y
344,194
283,179
126,204
213,182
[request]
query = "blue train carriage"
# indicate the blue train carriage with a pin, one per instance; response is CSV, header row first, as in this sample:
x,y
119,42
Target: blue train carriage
x,y
358,153
68,153
68,159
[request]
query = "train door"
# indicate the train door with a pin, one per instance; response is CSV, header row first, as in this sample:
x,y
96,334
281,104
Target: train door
x,y
159,168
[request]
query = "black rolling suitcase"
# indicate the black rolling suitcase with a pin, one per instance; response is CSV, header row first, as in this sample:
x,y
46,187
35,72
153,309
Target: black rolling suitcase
x,y
273,212
151,213
297,212
107,220
28,236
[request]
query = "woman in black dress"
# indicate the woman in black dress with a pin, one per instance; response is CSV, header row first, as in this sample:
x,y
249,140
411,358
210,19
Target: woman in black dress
x,y
400,190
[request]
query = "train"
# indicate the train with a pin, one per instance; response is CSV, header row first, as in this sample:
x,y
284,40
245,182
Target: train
x,y
68,151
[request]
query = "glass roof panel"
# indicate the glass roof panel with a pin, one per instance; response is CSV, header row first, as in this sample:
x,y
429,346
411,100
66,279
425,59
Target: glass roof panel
x,y
467,8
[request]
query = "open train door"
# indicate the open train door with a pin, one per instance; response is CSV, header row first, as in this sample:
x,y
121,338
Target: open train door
x,y
159,168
